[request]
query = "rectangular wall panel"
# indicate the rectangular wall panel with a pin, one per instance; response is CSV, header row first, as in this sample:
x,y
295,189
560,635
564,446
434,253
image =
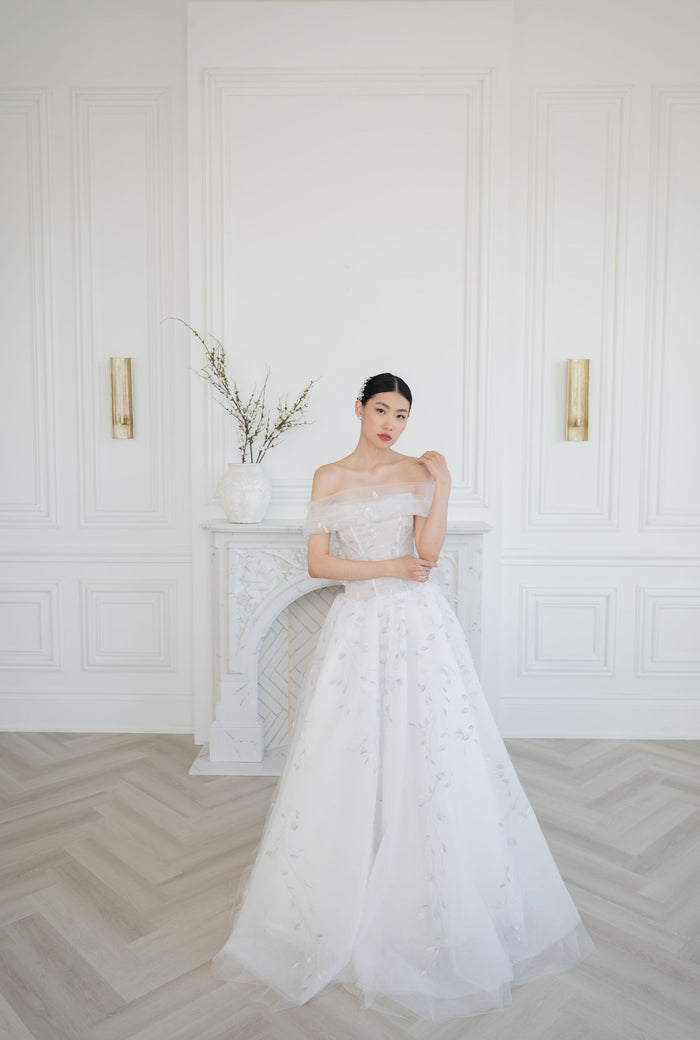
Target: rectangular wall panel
x,y
567,631
358,201
668,632
129,625
670,501
27,494
575,286
29,626
123,199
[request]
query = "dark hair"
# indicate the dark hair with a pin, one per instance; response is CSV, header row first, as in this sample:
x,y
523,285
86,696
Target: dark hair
x,y
384,383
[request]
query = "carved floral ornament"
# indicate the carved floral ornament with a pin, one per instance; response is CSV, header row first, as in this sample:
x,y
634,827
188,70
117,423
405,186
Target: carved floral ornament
x,y
255,575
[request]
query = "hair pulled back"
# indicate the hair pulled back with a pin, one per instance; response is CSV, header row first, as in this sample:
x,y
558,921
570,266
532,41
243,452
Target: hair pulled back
x,y
384,383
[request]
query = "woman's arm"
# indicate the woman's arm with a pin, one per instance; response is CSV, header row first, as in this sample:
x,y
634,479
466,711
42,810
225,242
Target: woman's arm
x,y
323,565
429,531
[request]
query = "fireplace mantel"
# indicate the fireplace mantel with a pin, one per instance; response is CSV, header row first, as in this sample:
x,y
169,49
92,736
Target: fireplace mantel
x,y
258,570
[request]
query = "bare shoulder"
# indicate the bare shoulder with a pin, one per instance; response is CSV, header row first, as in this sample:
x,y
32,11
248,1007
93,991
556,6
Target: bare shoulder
x,y
326,480
411,470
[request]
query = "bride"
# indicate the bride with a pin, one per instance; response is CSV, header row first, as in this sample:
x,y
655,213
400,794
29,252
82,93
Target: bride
x,y
401,856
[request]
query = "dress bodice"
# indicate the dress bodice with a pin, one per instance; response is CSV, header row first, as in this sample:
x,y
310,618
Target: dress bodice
x,y
371,523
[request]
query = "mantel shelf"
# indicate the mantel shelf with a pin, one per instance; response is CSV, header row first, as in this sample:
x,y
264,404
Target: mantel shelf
x,y
222,526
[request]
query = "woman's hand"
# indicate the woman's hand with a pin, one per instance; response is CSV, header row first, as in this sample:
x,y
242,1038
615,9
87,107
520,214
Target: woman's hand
x,y
436,466
411,569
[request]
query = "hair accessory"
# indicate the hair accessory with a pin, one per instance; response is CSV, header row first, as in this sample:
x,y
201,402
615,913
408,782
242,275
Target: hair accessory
x,y
362,389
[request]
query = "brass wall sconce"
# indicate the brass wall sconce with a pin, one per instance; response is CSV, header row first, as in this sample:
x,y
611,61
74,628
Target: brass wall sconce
x,y
122,400
577,400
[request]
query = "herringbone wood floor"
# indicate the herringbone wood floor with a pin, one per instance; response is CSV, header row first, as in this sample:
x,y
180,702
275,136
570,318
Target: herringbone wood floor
x,y
117,872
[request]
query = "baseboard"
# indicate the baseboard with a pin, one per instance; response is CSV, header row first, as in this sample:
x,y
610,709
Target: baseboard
x,y
95,713
602,718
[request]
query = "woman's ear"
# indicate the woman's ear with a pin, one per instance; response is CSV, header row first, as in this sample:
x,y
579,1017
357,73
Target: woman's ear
x,y
358,409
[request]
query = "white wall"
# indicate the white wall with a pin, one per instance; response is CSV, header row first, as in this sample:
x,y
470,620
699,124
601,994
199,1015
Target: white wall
x,y
600,632
348,205
469,193
95,601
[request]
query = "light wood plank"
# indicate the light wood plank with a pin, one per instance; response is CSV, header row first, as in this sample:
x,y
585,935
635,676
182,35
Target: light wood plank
x,y
118,872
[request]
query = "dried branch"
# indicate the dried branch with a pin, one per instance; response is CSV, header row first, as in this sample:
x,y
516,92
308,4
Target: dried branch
x,y
257,430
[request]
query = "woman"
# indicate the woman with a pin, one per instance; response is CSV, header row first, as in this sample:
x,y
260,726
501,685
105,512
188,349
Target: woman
x,y
401,856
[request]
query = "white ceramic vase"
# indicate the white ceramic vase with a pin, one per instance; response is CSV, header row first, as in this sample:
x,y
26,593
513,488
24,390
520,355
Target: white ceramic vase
x,y
245,491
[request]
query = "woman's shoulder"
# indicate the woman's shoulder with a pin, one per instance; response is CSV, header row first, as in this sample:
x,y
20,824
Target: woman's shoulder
x,y
337,476
410,470
327,480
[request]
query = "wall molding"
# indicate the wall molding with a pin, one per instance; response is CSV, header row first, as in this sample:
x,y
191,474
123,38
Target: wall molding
x,y
613,105
475,86
655,514
150,110
156,597
120,556
537,602
527,558
45,597
650,658
33,107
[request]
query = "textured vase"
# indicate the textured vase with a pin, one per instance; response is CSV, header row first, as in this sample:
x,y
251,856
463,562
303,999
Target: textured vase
x,y
245,491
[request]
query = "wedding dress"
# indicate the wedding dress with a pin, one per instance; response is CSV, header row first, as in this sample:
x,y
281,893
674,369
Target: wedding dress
x,y
401,856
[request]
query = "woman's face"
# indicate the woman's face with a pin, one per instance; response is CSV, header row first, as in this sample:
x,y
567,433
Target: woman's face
x,y
384,418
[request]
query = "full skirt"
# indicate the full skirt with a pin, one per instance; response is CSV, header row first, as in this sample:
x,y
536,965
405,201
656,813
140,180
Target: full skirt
x,y
401,856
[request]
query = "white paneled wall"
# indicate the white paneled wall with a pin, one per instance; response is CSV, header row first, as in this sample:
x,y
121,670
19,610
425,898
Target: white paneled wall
x,y
600,564
466,192
95,563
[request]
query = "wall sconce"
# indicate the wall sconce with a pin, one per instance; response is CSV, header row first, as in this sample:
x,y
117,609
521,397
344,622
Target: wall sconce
x,y
577,400
122,402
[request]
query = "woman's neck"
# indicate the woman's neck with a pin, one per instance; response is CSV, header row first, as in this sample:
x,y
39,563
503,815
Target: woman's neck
x,y
369,460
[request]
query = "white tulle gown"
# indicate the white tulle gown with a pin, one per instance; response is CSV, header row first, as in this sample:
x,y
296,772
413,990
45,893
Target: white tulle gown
x,y
401,856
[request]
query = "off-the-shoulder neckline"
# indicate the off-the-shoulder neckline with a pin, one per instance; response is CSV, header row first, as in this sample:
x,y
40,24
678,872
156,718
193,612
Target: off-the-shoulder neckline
x,y
375,488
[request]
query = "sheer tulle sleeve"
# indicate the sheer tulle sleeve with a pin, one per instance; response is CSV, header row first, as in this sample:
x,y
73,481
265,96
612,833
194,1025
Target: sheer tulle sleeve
x,y
368,505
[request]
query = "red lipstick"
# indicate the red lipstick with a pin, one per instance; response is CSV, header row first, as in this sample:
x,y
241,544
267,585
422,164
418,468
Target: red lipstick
x,y
385,436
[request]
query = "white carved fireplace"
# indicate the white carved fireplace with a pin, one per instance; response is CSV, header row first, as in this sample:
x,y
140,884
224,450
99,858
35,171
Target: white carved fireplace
x,y
258,571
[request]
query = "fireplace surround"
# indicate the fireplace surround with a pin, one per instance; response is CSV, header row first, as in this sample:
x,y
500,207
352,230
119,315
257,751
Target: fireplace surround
x,y
258,571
